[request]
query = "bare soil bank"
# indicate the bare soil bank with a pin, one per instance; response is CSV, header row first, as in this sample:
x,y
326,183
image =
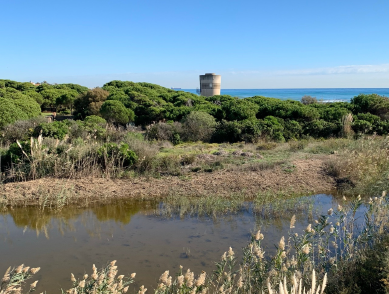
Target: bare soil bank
x,y
305,175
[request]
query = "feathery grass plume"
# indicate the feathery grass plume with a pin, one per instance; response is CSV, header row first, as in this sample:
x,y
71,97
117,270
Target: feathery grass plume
x,y
230,253
297,286
201,279
14,280
142,290
180,281
292,222
259,236
33,285
6,276
101,281
347,121
281,245
164,277
189,277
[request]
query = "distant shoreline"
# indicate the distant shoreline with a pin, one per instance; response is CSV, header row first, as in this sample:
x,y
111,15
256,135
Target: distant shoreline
x,y
325,94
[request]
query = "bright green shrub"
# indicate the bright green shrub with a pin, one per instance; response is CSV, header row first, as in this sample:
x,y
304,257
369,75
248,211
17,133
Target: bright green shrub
x,y
9,112
373,103
56,130
117,153
292,129
322,129
362,126
94,119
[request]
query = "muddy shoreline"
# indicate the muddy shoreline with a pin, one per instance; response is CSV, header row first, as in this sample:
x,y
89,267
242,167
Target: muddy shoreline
x,y
308,175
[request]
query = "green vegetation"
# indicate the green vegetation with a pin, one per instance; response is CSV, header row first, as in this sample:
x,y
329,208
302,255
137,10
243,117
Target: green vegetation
x,y
127,129
187,115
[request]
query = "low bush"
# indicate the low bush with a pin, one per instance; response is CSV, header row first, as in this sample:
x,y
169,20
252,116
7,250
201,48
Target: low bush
x,y
119,155
20,130
165,132
56,130
198,126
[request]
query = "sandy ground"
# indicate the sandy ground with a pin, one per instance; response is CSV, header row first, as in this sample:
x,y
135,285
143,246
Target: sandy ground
x,y
307,175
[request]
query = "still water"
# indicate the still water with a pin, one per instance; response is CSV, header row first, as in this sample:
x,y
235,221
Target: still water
x,y
140,235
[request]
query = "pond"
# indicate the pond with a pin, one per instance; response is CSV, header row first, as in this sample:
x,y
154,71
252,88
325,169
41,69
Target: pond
x,y
146,237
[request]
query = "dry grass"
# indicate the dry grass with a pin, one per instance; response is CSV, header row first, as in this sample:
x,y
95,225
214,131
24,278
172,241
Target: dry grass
x,y
363,164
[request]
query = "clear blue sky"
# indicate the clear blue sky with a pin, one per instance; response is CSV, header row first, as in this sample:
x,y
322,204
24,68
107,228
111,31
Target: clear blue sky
x,y
252,44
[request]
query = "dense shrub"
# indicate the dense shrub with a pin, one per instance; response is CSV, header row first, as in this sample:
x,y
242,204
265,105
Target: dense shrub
x,y
9,112
322,129
95,120
220,118
56,130
198,126
306,100
373,103
20,130
116,154
16,154
362,127
165,131
227,131
90,103
115,112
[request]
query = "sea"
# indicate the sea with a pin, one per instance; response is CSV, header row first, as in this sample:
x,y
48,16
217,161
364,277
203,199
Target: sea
x,y
321,94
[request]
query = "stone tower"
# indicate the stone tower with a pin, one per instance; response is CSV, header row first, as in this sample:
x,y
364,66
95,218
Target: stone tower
x,y
210,84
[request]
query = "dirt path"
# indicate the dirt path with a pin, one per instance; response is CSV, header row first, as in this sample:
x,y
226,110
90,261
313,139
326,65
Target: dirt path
x,y
306,175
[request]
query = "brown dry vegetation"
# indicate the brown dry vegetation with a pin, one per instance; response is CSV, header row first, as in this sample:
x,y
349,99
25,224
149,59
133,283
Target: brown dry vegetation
x,y
307,176
198,169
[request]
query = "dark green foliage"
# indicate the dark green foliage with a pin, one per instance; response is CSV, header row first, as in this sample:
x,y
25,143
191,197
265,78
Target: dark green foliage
x,y
292,129
273,128
227,131
121,153
90,103
239,109
67,99
115,112
322,129
15,154
373,103
251,130
362,127
332,111
233,119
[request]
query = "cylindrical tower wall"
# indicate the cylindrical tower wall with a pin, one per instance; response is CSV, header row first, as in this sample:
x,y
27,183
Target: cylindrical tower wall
x,y
210,84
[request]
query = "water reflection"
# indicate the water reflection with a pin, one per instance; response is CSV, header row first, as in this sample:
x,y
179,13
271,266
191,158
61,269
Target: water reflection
x,y
146,237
